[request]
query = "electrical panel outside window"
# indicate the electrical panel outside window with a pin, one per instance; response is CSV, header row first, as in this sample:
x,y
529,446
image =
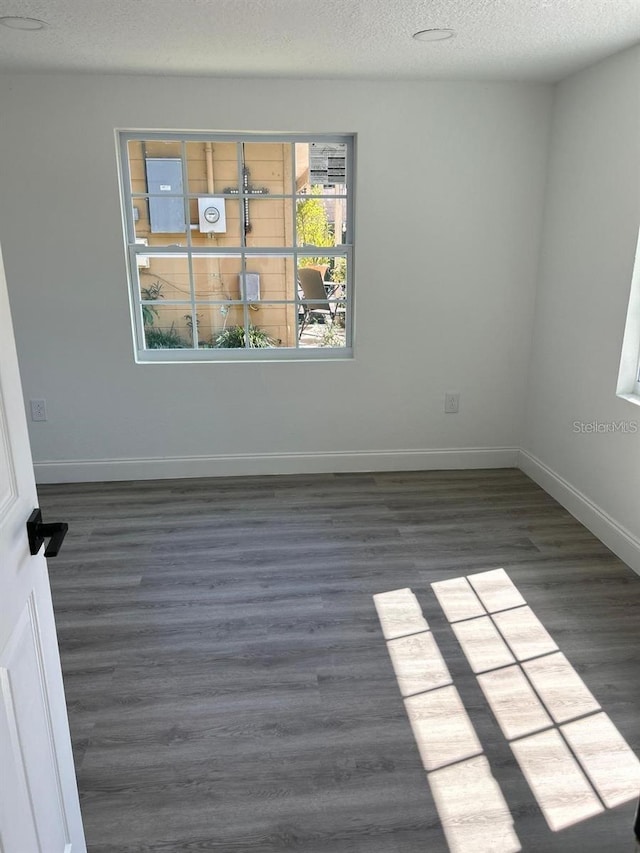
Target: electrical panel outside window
x,y
166,202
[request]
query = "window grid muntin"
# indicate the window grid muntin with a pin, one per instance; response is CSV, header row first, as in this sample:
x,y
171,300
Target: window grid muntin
x,y
187,220
244,251
232,196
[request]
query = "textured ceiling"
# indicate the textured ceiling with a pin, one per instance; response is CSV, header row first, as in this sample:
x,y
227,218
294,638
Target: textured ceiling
x,y
496,39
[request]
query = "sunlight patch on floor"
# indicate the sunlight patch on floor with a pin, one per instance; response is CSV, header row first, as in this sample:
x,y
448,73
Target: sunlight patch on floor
x,y
611,766
525,634
544,709
496,590
553,723
482,645
457,599
513,702
418,664
473,811
558,784
399,613
556,682
442,728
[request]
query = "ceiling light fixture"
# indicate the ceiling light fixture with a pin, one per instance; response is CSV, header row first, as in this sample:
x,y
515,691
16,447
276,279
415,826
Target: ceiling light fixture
x,y
434,35
16,23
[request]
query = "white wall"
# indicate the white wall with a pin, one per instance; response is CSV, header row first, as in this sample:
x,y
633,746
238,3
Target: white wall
x,y
444,287
591,220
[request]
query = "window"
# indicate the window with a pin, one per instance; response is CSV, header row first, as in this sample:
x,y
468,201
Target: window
x,y
629,373
239,246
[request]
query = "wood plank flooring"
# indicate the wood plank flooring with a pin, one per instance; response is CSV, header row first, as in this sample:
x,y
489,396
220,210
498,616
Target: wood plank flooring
x,y
228,683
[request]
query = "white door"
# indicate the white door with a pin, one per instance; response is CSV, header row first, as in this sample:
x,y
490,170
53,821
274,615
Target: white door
x,y
39,808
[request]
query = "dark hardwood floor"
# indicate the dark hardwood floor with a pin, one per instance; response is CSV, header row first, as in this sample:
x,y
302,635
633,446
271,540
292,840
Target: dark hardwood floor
x,y
228,684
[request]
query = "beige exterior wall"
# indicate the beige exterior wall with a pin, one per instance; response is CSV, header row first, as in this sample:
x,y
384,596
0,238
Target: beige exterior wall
x,y
218,278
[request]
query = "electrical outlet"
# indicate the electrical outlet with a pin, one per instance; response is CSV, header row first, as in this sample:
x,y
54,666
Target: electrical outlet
x,y
451,402
38,410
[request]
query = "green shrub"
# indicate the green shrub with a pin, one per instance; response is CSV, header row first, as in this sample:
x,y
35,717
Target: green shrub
x,y
234,338
153,292
157,338
333,335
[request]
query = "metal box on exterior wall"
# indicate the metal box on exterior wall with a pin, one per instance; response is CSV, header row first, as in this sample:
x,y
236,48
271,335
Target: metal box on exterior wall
x,y
212,215
164,175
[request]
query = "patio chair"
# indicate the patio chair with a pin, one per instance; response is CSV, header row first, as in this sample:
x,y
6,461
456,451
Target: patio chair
x,y
312,287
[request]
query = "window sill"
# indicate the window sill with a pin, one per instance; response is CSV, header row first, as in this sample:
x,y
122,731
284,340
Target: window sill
x,y
632,398
244,356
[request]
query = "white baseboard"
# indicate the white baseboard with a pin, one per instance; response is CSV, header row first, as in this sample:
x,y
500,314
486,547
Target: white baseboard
x,y
100,470
621,541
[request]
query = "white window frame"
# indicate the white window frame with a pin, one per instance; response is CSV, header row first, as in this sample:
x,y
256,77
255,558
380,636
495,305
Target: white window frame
x,y
629,374
134,248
